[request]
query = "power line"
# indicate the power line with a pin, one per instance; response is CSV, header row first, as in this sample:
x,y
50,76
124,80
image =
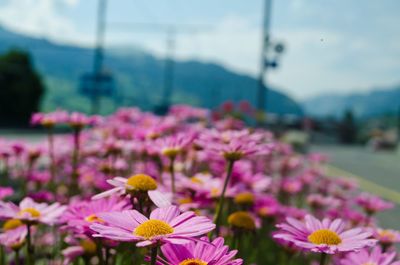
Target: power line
x,y
98,55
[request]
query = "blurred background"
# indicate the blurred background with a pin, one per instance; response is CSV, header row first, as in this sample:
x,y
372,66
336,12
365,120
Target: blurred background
x,y
323,71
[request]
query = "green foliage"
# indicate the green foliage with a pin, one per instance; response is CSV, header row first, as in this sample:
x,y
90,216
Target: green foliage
x,y
21,88
348,128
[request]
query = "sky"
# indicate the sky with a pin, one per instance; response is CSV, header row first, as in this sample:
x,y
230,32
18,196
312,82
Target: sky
x,y
331,46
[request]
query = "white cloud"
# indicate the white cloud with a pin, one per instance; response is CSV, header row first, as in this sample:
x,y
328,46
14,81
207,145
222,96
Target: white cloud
x,y
233,41
71,2
41,18
316,59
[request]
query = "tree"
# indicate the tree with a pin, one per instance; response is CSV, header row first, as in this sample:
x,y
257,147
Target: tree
x,y
348,128
21,89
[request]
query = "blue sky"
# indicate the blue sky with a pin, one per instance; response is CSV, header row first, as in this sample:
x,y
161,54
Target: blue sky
x,y
332,45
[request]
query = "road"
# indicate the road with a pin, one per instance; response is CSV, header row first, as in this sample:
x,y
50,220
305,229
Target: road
x,y
376,172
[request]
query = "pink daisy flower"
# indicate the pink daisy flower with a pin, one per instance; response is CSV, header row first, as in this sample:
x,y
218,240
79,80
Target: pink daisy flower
x,y
375,257
387,237
373,204
186,112
79,120
135,185
29,211
49,119
327,236
14,234
199,253
171,146
79,247
5,192
232,145
165,225
80,215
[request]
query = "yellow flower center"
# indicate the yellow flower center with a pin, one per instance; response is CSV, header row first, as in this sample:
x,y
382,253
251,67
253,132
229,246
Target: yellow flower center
x,y
193,262
324,236
196,180
141,182
32,211
185,200
152,228
244,198
94,219
171,152
153,135
242,219
12,224
263,211
369,263
233,156
387,234
88,246
48,122
215,192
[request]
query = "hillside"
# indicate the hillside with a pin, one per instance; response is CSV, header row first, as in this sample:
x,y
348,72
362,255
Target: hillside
x,y
364,105
138,76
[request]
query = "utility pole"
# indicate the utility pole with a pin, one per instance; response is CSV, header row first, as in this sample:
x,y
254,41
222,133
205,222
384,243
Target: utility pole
x,y
398,125
262,87
98,56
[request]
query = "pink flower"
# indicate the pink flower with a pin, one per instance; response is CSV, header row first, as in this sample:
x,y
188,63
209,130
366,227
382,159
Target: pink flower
x,y
318,201
165,225
29,211
375,257
5,192
373,204
185,112
79,120
172,145
326,236
80,215
233,145
49,119
291,185
266,206
14,233
80,246
135,185
200,252
387,237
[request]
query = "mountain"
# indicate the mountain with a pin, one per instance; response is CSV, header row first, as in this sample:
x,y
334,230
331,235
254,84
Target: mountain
x,y
364,105
138,78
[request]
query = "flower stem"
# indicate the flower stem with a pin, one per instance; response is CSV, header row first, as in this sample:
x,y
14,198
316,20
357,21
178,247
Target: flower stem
x,y
75,161
323,259
172,172
2,256
100,252
107,250
29,246
51,154
217,217
17,257
154,251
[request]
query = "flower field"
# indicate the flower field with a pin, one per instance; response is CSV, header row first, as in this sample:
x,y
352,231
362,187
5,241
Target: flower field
x,y
186,188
